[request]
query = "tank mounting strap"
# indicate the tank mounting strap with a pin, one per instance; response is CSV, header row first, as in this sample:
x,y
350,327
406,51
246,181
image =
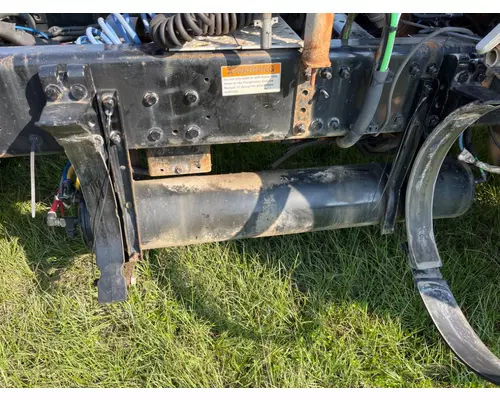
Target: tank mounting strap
x,y
423,253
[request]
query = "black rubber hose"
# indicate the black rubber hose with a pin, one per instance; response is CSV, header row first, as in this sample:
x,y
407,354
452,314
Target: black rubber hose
x,y
24,16
367,112
372,98
9,34
176,30
377,19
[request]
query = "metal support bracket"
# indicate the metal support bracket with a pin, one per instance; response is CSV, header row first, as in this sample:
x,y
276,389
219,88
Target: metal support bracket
x,y
403,161
315,56
69,117
121,170
423,253
266,29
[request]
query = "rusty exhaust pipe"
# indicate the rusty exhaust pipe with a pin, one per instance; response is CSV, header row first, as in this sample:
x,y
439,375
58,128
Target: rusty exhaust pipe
x,y
317,36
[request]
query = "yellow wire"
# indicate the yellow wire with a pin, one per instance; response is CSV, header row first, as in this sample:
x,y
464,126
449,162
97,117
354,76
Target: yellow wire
x,y
71,172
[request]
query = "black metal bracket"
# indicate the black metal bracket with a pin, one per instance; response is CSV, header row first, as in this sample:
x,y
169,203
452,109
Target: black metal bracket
x,y
70,118
404,158
121,170
423,254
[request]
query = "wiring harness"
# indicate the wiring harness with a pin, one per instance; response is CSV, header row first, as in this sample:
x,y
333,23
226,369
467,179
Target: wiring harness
x,y
121,32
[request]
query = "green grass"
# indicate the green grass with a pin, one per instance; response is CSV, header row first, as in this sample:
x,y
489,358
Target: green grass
x,y
321,309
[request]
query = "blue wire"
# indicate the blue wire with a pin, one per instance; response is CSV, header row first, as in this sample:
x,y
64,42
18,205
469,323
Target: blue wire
x,y
64,175
109,35
109,31
121,28
461,142
31,30
83,40
127,27
94,31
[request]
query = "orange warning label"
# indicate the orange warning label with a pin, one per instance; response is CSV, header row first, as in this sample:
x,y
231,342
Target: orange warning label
x,y
251,79
255,69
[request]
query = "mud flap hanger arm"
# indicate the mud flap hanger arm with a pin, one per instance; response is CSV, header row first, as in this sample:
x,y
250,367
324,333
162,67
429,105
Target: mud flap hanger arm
x,y
425,260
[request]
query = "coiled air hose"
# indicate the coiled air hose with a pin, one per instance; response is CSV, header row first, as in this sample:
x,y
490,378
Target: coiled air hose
x,y
176,30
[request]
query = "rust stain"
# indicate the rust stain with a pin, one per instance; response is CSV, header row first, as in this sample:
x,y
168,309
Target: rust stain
x,y
432,45
168,161
244,181
317,41
7,62
304,96
128,272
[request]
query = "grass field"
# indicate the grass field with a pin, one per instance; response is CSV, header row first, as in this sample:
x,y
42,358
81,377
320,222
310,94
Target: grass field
x,y
334,309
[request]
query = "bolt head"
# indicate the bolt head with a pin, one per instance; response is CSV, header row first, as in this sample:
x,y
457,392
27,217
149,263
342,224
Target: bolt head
x,y
300,128
108,102
481,77
53,92
334,124
432,121
192,133
432,69
150,99
78,92
414,69
178,170
316,125
115,137
190,97
154,134
326,73
324,93
398,121
345,72
463,77
128,204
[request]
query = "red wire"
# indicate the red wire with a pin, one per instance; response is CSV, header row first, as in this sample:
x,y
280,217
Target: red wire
x,y
55,202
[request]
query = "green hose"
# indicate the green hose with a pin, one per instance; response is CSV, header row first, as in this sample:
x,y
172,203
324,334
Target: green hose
x,y
384,64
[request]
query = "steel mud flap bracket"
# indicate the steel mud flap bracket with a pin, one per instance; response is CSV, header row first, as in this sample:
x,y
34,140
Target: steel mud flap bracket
x,y
424,257
70,118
